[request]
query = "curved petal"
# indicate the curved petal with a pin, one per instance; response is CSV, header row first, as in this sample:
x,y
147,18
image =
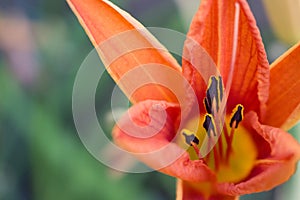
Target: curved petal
x,y
215,29
284,155
123,44
147,131
283,107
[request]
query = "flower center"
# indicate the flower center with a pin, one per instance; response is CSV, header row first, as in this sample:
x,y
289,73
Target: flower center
x,y
219,139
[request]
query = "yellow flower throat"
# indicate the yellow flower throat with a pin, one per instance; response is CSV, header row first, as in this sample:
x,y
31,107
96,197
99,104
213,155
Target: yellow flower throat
x,y
219,139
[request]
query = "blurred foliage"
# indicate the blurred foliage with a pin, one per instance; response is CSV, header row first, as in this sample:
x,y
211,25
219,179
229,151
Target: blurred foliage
x,y
41,156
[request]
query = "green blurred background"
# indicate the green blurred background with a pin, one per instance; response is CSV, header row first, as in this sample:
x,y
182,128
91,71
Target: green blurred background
x,y
41,156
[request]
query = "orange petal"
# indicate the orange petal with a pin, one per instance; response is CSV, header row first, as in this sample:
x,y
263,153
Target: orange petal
x,y
199,191
273,170
147,131
283,107
213,27
124,44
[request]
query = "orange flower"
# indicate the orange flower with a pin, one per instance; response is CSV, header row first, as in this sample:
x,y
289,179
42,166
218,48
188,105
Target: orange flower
x,y
236,144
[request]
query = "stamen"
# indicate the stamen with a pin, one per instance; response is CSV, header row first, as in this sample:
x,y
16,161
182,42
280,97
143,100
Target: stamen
x,y
192,140
212,122
237,116
209,125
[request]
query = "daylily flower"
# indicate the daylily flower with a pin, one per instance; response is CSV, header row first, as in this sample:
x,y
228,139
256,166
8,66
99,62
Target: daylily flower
x,y
236,144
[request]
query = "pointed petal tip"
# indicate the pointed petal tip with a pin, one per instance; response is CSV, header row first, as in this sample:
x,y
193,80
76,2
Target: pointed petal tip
x,y
124,44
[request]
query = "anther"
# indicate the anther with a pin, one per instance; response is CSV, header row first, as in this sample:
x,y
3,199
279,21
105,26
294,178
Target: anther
x,y
237,116
221,88
190,138
214,92
209,125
